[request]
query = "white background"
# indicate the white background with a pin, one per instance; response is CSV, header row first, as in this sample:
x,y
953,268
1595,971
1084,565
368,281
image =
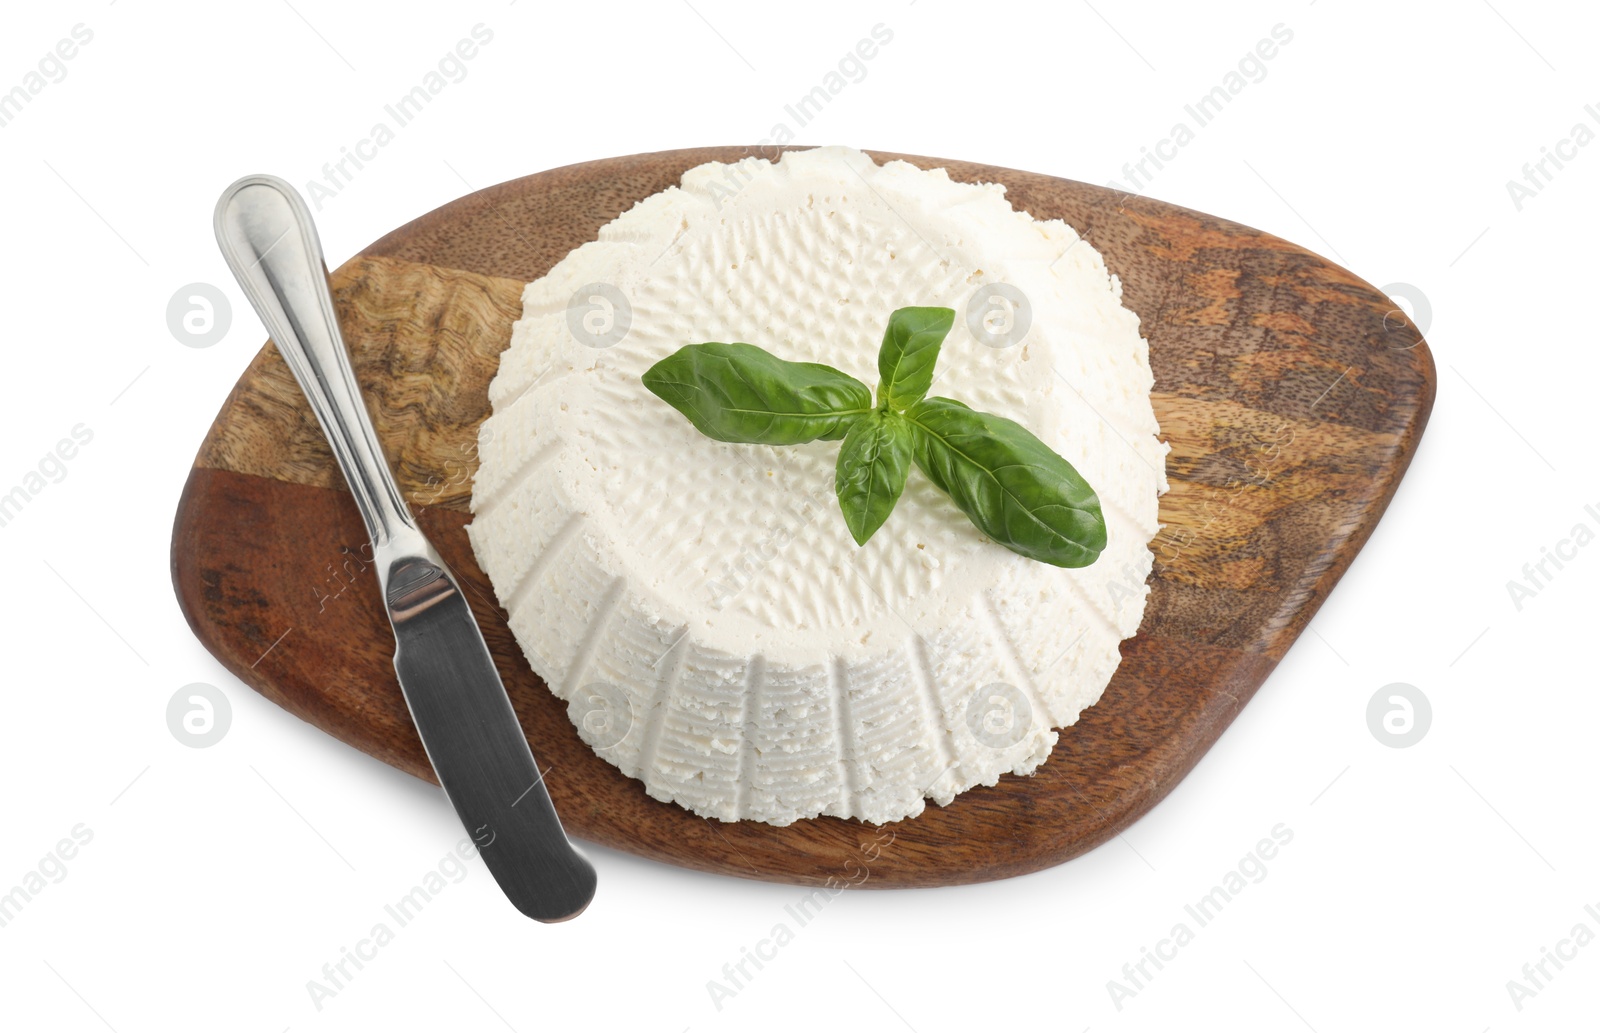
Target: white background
x,y
220,880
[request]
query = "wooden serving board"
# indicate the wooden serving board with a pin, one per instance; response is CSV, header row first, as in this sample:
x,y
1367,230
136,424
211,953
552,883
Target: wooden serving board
x,y
1292,392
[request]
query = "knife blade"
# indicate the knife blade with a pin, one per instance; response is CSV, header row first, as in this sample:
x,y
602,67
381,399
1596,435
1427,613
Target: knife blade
x,y
448,677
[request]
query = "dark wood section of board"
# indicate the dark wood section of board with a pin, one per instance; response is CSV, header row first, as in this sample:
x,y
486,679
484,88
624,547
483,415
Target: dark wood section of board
x,y
1292,392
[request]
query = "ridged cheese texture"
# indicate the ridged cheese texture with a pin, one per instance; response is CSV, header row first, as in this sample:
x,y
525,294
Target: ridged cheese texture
x,y
701,606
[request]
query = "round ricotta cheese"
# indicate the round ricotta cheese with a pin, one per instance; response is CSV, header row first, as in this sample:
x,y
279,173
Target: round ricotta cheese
x,y
701,606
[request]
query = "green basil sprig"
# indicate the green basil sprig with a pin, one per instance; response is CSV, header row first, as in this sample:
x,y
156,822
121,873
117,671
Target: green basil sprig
x,y
873,463
1013,486
740,393
910,348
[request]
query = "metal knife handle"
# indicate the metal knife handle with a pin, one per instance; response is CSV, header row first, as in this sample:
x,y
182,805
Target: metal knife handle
x,y
271,244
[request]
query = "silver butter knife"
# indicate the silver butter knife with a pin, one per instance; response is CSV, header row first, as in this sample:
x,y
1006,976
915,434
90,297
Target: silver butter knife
x,y
449,679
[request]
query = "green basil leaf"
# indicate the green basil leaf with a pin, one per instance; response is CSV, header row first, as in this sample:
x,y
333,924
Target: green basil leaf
x,y
1013,486
740,393
910,349
871,473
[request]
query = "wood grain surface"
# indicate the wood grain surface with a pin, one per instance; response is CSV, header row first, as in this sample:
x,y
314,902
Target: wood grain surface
x,y
1292,392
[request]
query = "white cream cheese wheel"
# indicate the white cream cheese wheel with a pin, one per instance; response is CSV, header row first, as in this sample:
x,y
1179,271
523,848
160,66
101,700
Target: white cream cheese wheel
x,y
701,606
